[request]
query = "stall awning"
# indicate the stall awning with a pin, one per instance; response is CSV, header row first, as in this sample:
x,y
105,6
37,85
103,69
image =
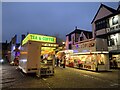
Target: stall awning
x,y
114,52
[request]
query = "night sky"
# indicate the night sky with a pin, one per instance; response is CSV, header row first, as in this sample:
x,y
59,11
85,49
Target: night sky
x,y
47,18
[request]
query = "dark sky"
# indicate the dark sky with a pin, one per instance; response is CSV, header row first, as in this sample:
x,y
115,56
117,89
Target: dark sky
x,y
47,18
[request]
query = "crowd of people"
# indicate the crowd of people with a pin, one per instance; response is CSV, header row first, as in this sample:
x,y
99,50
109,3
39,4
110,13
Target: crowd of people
x,y
61,62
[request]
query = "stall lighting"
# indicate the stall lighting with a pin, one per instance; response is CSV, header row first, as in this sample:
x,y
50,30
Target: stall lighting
x,y
68,51
75,51
24,60
19,47
92,52
100,52
47,48
53,45
83,53
23,52
1,60
13,48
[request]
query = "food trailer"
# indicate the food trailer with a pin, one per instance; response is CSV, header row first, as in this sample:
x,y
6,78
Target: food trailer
x,y
37,54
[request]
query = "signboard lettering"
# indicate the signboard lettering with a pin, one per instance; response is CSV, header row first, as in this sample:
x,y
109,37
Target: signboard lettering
x,y
39,38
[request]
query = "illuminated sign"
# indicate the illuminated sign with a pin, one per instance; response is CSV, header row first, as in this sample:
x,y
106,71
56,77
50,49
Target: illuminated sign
x,y
39,38
47,48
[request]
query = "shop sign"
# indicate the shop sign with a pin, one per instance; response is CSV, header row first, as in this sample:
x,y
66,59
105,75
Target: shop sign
x,y
39,38
86,45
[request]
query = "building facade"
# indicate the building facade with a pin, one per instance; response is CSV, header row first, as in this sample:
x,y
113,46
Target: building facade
x,y
107,26
76,36
90,52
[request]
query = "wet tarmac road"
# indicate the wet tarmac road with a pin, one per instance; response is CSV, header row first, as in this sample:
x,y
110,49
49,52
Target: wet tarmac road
x,y
63,78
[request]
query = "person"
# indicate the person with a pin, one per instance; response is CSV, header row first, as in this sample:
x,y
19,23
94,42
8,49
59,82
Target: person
x,y
114,62
60,61
63,61
57,62
16,61
79,64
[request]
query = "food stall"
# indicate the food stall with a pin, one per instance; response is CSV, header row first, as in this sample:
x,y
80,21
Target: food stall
x,y
96,61
89,55
117,59
37,54
67,53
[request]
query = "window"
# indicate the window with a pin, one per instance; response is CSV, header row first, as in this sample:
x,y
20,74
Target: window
x,y
114,20
70,46
69,37
101,24
73,40
81,38
112,42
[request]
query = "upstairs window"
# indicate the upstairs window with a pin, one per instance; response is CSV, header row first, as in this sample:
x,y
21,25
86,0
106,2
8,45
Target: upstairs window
x,y
101,24
69,37
81,38
114,20
70,46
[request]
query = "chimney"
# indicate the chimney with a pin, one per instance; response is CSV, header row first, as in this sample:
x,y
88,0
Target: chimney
x,y
6,42
27,33
76,27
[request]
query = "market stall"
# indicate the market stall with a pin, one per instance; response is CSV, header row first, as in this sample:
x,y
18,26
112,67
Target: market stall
x,y
37,54
67,54
115,60
96,61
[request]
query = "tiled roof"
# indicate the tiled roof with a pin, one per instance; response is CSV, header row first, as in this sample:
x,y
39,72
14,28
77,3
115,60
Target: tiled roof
x,y
78,31
118,9
108,8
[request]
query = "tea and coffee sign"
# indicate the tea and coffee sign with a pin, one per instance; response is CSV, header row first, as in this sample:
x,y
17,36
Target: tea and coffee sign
x,y
39,38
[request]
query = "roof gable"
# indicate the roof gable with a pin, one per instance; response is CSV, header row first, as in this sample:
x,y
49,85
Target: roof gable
x,y
103,11
118,9
78,31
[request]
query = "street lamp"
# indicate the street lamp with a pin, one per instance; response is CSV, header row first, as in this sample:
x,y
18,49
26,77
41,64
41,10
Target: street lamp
x,y
63,43
63,46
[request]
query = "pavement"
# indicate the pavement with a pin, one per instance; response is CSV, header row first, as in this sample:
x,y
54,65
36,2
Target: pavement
x,y
13,78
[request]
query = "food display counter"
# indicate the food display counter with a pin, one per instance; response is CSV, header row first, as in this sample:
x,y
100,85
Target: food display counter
x,y
96,61
117,60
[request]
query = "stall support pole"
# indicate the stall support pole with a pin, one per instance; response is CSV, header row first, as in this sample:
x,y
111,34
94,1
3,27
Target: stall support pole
x,y
96,64
38,73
